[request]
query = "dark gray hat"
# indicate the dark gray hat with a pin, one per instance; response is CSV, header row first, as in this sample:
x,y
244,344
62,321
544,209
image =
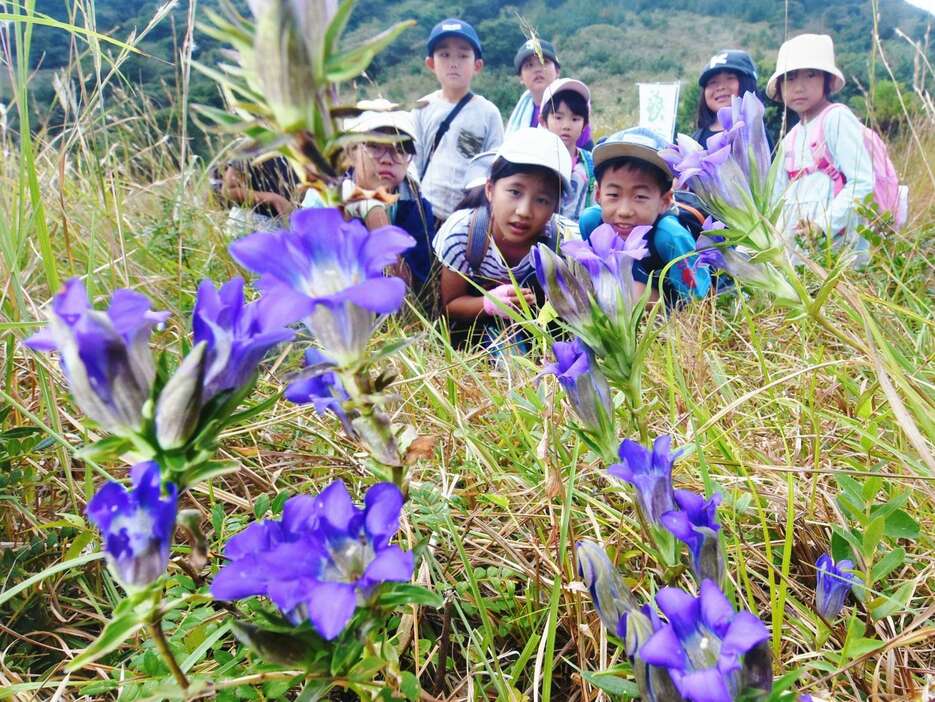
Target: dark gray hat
x,y
728,60
529,48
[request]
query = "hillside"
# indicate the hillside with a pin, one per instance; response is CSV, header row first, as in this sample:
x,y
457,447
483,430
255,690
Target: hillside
x,y
611,46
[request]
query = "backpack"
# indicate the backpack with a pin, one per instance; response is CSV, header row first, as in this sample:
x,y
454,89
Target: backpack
x,y
478,241
690,212
588,159
887,192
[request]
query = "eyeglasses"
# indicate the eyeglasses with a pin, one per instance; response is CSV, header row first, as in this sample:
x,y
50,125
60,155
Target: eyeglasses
x,y
396,152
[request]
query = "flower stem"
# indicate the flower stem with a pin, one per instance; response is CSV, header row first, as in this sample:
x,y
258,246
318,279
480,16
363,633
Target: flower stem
x,y
154,626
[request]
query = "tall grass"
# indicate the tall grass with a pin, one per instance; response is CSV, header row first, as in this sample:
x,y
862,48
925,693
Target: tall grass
x,y
781,418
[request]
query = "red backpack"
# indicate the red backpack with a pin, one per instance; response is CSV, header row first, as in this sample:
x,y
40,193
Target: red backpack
x,y
889,195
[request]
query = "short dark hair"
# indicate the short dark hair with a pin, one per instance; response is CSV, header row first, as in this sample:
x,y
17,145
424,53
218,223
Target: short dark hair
x,y
573,101
502,168
706,117
663,180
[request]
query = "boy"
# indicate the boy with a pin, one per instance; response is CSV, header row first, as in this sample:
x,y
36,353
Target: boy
x,y
566,108
536,75
379,171
452,124
634,187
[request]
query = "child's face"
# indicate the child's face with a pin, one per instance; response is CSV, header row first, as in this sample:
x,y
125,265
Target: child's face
x,y
536,75
378,164
803,90
630,198
454,64
720,88
520,206
566,125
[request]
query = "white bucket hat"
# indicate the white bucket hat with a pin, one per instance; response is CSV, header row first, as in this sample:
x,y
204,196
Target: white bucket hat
x,y
380,116
538,147
815,51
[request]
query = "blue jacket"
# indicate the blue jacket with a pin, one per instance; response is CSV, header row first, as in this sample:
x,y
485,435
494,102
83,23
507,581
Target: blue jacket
x,y
420,226
667,240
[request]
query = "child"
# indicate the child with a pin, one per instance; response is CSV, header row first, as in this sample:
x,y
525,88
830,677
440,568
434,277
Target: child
x,y
491,246
566,109
378,169
260,195
827,168
730,72
634,187
452,124
536,75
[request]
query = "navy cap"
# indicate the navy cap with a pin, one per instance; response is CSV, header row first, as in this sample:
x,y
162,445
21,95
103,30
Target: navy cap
x,y
529,49
453,27
728,60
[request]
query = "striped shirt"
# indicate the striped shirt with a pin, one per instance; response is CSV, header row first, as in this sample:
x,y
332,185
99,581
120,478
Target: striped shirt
x,y
451,250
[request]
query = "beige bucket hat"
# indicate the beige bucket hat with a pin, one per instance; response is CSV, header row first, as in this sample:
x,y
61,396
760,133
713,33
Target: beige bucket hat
x,y
814,51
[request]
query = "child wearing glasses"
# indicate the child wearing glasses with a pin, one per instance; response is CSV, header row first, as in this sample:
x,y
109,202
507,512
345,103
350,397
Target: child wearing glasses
x,y
380,190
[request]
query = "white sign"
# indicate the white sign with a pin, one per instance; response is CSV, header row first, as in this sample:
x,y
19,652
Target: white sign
x,y
659,106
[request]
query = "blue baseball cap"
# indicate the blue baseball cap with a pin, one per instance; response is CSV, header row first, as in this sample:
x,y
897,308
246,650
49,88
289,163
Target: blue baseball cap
x,y
453,27
728,60
637,142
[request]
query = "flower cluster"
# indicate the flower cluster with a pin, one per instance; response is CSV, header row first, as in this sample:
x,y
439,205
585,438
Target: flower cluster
x,y
322,560
136,525
329,274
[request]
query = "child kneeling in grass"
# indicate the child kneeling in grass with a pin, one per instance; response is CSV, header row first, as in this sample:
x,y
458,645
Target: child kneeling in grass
x,y
488,247
634,188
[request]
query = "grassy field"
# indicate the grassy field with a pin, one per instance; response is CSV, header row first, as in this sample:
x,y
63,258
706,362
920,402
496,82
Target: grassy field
x,y
814,447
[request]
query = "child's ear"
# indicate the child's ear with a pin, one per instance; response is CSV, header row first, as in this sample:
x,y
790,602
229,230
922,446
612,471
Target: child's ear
x,y
488,190
667,199
478,65
430,63
597,193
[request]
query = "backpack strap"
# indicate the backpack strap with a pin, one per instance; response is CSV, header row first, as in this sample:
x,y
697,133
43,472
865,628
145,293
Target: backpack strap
x,y
819,149
443,129
478,238
588,159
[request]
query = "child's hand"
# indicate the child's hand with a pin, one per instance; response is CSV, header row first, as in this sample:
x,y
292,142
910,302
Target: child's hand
x,y
506,295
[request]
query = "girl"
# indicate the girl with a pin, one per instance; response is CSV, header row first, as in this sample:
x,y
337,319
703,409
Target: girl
x,y
489,246
566,111
826,166
730,72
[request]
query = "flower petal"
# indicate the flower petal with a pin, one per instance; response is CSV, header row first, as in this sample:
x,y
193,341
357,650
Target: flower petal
x,y
704,686
383,503
390,564
330,606
664,649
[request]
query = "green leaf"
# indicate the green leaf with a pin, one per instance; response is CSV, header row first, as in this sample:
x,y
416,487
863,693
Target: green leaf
x,y
345,655
353,62
613,684
110,447
261,505
395,594
872,536
115,633
840,546
208,470
900,525
409,686
887,606
337,26
861,647
886,565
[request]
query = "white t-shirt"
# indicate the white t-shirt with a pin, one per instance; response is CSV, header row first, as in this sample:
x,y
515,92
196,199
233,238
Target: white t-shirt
x,y
478,127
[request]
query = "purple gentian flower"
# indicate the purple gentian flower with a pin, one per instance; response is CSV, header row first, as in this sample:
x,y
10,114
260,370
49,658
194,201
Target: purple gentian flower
x,y
745,131
585,385
231,338
320,386
608,258
834,583
566,290
696,525
705,644
650,472
328,273
322,560
136,525
105,356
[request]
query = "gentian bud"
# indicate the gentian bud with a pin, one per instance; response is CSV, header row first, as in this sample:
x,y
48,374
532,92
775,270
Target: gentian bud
x,y
611,597
650,473
834,583
566,291
105,356
696,525
136,525
179,404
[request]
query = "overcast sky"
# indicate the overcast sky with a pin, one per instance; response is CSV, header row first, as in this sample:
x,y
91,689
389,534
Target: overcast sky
x,y
924,4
